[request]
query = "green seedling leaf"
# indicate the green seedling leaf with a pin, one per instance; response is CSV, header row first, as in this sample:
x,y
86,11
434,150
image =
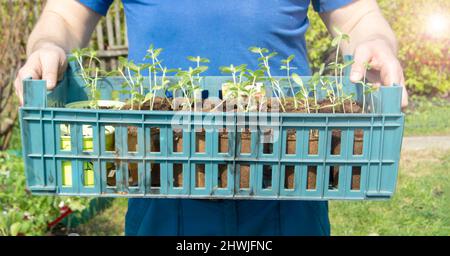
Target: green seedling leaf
x,y
272,54
297,79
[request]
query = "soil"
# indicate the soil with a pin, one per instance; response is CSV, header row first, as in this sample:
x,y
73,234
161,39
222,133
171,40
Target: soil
x,y
200,176
200,141
161,104
312,177
291,142
289,177
155,145
289,106
213,105
223,176
358,142
223,141
325,107
313,143
244,181
178,175
246,141
181,104
356,181
336,142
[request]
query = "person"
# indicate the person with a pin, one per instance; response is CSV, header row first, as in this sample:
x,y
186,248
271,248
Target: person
x,y
221,31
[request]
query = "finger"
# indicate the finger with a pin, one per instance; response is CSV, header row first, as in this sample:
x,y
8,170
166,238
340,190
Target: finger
x,y
26,72
390,72
51,68
404,92
362,55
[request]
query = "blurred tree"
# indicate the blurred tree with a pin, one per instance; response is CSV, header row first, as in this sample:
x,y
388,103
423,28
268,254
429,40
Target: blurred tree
x,y
16,21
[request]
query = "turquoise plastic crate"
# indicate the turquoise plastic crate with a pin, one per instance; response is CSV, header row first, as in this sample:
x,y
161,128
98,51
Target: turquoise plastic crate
x,y
45,161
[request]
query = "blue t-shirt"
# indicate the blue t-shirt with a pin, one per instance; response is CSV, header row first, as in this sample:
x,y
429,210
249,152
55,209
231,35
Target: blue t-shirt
x,y
221,31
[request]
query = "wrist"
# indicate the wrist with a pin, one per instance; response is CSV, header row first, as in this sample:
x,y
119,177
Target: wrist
x,y
379,39
44,44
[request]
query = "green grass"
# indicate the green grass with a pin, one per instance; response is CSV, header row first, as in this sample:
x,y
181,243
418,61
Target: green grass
x,y
421,205
427,117
110,222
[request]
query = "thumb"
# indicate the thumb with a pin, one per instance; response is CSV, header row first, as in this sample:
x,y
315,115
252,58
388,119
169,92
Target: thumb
x,y
362,55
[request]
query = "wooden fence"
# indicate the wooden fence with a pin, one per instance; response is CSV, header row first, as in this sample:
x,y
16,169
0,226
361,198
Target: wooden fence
x,y
17,18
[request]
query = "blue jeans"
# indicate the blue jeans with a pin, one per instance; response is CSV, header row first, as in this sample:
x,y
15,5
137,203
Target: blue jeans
x,y
226,217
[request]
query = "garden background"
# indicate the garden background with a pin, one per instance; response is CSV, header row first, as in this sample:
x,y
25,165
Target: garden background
x,y
421,205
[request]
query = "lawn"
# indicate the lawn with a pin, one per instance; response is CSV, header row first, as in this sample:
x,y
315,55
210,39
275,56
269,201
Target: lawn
x,y
420,206
427,117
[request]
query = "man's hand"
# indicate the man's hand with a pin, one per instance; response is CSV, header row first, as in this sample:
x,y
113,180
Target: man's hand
x,y
64,25
385,69
372,41
48,63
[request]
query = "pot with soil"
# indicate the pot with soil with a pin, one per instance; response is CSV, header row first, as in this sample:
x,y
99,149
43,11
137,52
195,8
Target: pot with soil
x,y
99,104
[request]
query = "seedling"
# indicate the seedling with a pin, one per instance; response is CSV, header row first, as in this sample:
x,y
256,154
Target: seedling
x,y
189,82
264,64
89,55
339,67
134,81
314,82
286,66
367,88
153,69
303,93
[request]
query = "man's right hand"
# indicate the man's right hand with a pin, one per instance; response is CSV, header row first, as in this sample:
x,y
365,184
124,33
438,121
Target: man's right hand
x,y
48,62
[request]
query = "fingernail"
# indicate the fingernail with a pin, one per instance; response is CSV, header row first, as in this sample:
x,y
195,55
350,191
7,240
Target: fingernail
x,y
50,84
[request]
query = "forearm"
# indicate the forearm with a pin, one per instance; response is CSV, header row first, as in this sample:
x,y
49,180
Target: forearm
x,y
366,23
65,23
